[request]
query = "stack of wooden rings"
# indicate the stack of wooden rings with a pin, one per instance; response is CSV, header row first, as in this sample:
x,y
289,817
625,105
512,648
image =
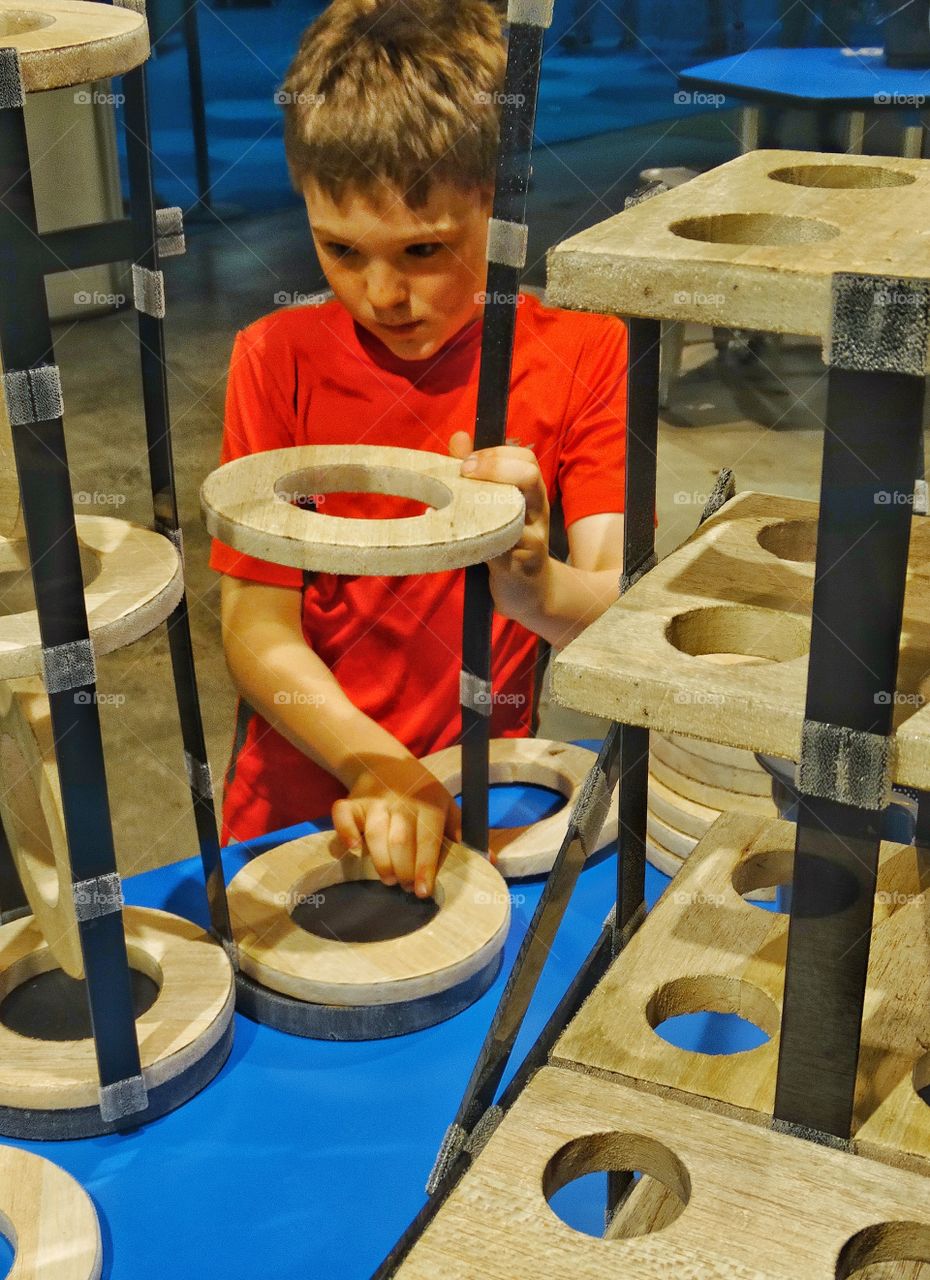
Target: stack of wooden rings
x,y
691,783
49,1085
317,960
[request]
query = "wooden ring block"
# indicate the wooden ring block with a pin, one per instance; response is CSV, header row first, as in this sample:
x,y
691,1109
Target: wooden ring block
x,y
703,946
756,1205
711,797
248,504
678,811
66,42
191,1014
750,781
463,937
531,849
135,581
48,1218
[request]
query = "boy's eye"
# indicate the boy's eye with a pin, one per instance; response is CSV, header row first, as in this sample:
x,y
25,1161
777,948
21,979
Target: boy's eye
x,y
424,250
339,250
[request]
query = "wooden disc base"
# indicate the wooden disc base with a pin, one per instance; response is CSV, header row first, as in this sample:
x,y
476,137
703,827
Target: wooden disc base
x,y
49,1089
49,1219
362,1022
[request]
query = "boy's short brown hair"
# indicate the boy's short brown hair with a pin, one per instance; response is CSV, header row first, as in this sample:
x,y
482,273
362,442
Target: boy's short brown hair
x,y
401,93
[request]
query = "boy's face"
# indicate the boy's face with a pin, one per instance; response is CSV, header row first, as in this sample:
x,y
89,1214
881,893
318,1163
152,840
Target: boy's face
x,y
412,277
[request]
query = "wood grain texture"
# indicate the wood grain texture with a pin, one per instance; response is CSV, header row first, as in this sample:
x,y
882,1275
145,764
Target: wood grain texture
x,y
66,42
194,1007
133,582
466,933
531,849
704,947
30,805
49,1219
757,1205
11,516
752,781
741,584
739,247
248,504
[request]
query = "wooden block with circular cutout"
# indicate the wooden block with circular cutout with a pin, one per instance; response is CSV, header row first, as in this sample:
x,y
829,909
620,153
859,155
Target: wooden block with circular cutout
x,y
560,766
49,1220
718,1198
753,243
704,947
251,504
66,42
740,585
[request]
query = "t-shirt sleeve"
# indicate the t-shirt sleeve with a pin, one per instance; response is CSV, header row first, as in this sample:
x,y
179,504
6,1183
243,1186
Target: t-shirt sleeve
x,y
593,452
257,418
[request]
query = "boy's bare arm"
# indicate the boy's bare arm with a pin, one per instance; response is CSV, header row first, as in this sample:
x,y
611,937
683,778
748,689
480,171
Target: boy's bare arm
x,y
394,804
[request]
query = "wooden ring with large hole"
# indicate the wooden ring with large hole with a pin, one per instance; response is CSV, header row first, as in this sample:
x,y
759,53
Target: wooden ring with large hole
x,y
562,766
66,42
133,581
188,1026
48,1218
466,933
249,505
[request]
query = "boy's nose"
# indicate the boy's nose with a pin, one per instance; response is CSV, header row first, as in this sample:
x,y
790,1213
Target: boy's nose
x,y
385,288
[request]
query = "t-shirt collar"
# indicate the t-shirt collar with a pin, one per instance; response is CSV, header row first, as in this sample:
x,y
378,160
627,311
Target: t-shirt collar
x,y
458,352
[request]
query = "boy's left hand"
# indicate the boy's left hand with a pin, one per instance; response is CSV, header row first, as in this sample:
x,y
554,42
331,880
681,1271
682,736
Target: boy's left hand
x,y
519,577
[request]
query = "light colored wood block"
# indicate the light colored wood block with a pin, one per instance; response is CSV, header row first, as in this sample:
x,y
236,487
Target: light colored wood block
x,y
704,947
741,584
192,1011
719,754
669,838
678,811
49,1219
562,766
752,243
66,42
133,580
715,773
705,794
756,1205
469,929
11,518
248,504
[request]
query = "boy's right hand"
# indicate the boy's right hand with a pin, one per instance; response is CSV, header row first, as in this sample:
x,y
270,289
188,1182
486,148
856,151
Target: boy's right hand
x,y
400,813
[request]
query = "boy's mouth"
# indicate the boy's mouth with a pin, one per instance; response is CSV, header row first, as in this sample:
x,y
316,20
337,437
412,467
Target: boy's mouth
x,y
400,329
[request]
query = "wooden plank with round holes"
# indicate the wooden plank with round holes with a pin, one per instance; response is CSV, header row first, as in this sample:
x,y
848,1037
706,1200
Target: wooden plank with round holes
x,y
726,777
742,583
705,947
133,580
740,1202
192,1012
66,42
49,1219
757,242
466,933
249,505
561,766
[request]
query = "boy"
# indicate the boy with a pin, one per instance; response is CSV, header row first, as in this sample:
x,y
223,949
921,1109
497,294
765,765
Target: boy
x,y
391,130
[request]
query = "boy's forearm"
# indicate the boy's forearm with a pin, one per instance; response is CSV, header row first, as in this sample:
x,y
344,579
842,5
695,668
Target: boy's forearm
x,y
292,688
570,601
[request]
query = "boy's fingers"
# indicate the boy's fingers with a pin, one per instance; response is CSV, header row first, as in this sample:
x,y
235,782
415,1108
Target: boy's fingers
x,y
512,466
460,444
453,823
377,822
429,843
346,827
402,846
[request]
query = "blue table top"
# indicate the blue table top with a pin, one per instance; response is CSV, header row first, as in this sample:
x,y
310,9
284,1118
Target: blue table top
x,y
852,78
308,1159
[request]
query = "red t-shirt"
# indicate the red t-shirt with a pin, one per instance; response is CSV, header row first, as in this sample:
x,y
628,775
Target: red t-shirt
x,y
309,375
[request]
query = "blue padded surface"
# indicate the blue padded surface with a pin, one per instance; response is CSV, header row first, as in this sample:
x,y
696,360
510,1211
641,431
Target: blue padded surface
x,y
308,1159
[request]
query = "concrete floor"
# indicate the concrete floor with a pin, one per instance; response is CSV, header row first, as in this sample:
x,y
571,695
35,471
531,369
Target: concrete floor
x,y
754,417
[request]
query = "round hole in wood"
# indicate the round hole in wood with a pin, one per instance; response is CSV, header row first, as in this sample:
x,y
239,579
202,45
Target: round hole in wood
x,y
713,994
345,483
362,911
53,1006
842,177
655,1198
742,630
790,540
754,228
17,594
763,869
871,1253
22,801
18,22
